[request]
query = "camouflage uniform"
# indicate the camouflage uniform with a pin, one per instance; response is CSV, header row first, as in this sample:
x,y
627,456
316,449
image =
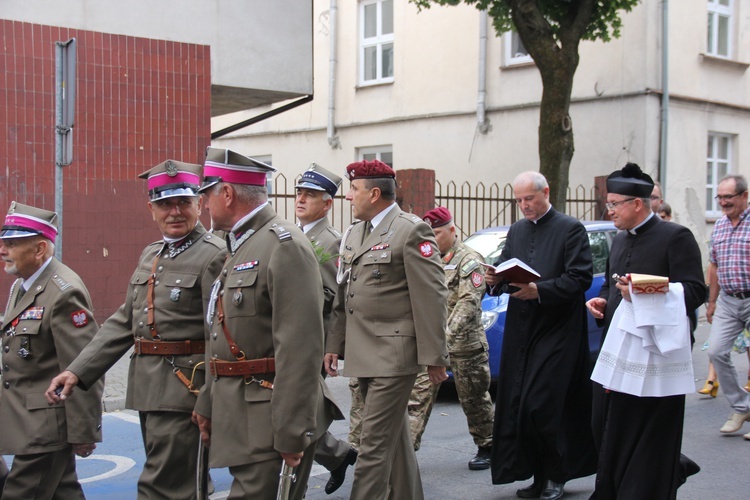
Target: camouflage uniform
x,y
467,346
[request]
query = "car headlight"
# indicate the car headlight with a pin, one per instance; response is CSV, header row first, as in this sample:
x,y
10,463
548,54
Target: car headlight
x,y
489,318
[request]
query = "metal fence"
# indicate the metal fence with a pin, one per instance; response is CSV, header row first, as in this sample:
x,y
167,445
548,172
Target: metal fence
x,y
473,207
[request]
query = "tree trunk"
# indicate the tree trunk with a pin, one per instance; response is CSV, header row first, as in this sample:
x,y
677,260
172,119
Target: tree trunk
x,y
556,131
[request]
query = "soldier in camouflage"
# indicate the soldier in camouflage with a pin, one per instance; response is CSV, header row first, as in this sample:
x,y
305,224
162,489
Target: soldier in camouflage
x,y
466,340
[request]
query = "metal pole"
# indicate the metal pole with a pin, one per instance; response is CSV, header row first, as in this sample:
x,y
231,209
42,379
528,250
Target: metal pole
x,y
664,96
59,146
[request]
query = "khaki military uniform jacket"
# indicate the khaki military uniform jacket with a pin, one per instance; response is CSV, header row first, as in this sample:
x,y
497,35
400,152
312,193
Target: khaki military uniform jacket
x,y
465,279
181,291
271,295
42,334
326,242
390,307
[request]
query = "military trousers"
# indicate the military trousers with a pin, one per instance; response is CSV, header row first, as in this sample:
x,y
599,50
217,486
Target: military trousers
x,y
387,465
171,443
471,374
261,479
44,476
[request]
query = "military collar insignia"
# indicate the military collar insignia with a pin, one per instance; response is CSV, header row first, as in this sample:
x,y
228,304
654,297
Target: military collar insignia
x,y
236,241
174,250
246,265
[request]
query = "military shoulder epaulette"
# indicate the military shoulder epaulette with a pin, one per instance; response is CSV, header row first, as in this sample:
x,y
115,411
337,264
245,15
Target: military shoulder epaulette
x,y
282,232
333,231
410,217
214,240
61,283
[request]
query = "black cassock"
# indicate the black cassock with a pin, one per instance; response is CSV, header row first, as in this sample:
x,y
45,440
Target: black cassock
x,y
639,439
543,407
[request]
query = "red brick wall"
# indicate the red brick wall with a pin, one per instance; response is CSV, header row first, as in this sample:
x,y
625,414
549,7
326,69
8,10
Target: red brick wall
x,y
140,101
416,190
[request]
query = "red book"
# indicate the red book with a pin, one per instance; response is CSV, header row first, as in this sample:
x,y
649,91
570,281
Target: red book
x,y
514,271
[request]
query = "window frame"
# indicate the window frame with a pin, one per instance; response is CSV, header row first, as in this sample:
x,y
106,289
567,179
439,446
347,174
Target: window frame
x,y
509,59
713,210
376,153
715,11
377,41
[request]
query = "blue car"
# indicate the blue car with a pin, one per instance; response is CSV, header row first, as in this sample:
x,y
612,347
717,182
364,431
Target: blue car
x,y
490,242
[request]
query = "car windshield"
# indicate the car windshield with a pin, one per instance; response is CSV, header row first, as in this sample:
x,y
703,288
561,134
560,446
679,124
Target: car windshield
x,y
488,244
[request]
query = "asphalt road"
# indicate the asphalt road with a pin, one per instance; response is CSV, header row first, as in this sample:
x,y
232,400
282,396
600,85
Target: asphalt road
x,y
111,473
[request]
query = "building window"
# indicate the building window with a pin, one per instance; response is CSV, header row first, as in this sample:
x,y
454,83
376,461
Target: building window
x,y
718,164
376,41
268,160
719,28
382,153
515,52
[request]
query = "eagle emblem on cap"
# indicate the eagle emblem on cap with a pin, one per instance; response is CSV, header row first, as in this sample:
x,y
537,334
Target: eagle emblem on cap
x,y
171,169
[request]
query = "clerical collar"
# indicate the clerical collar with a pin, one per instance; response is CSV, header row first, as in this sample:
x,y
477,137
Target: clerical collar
x,y
634,230
542,216
311,225
379,218
246,218
27,283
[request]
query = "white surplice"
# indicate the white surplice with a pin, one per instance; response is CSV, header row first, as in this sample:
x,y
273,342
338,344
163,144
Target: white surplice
x,y
647,349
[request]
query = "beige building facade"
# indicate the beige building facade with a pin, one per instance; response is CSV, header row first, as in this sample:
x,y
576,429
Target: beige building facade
x,y
439,89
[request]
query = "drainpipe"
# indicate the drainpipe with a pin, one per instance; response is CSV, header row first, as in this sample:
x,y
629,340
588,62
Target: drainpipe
x,y
333,139
664,96
482,124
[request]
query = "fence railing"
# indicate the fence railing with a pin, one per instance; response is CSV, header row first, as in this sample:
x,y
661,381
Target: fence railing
x,y
473,207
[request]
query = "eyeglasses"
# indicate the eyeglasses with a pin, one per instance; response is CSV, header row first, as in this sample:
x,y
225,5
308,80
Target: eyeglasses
x,y
726,197
615,204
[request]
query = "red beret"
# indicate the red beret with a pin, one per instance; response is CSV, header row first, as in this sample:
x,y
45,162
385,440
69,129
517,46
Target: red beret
x,y
365,169
437,217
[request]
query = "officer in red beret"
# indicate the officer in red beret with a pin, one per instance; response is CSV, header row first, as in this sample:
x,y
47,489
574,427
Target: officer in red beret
x,y
385,328
467,343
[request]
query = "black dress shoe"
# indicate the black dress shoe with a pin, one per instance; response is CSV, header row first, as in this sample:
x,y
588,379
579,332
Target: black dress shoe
x,y
532,491
481,460
687,469
552,491
339,473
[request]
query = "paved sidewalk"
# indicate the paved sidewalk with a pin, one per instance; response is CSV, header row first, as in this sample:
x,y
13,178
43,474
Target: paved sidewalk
x,y
115,384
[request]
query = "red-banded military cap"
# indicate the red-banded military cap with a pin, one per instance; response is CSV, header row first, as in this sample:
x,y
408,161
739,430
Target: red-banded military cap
x,y
225,165
437,217
319,179
369,169
173,178
23,221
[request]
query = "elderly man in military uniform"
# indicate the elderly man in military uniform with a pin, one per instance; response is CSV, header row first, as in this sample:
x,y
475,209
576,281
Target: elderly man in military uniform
x,y
390,321
467,343
47,322
315,191
162,318
264,402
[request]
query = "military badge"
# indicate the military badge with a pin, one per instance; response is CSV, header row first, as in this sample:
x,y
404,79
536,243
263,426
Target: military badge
x,y
246,265
24,351
425,249
476,279
174,294
237,297
171,169
32,313
380,247
79,318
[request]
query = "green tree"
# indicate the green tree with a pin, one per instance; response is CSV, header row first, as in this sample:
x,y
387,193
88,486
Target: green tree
x,y
551,31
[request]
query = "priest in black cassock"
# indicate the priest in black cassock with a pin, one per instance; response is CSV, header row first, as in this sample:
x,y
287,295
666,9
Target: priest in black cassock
x,y
544,395
639,438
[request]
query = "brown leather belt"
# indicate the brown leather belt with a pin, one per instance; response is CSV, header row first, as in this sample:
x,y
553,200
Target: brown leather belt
x,y
169,347
221,368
